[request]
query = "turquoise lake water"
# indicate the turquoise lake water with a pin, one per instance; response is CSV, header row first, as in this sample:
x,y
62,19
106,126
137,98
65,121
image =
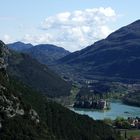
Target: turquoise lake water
x,y
118,109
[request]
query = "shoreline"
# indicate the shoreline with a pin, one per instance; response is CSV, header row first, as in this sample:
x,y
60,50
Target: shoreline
x,y
118,109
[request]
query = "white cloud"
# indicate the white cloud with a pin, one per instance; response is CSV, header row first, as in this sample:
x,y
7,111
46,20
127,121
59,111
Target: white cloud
x,y
75,30
7,38
37,39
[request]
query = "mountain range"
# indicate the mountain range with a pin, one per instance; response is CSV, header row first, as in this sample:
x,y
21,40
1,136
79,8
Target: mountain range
x,y
44,53
25,110
115,58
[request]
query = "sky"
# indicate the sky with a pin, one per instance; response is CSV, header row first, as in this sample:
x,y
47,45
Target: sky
x,y
71,24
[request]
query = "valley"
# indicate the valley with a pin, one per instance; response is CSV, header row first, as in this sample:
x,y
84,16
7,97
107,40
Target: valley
x,y
27,114
70,70
109,67
81,84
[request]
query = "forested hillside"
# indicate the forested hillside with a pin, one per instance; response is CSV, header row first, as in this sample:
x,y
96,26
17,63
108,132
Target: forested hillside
x,y
26,114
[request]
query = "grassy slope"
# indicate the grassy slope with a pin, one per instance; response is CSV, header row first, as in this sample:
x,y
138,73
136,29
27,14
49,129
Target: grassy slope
x,y
131,133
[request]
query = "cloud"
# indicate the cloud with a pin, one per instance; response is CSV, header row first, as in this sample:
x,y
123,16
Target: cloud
x,y
75,30
37,39
7,38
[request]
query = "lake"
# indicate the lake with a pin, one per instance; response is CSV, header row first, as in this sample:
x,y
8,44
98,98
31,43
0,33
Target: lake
x,y
117,109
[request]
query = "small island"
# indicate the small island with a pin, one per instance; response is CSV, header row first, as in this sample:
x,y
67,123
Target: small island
x,y
100,104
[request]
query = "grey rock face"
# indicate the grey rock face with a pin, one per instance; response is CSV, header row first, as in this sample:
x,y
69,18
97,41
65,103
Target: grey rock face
x,y
10,103
3,55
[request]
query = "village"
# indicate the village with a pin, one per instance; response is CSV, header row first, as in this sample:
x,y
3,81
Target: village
x,y
129,128
134,122
129,123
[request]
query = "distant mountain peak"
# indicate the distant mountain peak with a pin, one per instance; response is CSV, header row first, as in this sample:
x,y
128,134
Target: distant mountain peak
x,y
44,53
131,31
19,46
19,42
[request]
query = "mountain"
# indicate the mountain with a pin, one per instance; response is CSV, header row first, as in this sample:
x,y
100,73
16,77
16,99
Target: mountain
x,y
44,53
116,58
19,46
26,114
37,75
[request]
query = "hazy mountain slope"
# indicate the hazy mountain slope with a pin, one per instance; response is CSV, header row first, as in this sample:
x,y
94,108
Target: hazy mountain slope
x,y
25,114
116,57
44,53
37,75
